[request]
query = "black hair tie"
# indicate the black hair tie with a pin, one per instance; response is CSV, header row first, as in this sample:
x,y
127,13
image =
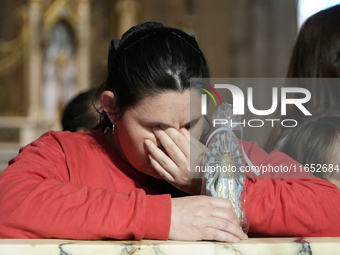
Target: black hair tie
x,y
113,47
114,44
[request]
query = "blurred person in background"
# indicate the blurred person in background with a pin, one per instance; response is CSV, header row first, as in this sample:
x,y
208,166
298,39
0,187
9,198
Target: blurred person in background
x,y
316,54
316,145
81,114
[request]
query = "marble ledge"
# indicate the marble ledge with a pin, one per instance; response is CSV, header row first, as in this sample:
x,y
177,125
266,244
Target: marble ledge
x,y
253,246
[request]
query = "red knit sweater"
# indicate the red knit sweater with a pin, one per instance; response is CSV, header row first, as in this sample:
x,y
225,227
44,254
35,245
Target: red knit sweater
x,y
73,185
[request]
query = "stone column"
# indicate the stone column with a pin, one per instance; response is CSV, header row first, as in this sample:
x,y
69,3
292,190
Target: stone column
x,y
29,130
128,12
83,49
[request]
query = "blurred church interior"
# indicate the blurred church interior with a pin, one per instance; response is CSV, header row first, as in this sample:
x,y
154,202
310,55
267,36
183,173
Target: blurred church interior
x,y
50,50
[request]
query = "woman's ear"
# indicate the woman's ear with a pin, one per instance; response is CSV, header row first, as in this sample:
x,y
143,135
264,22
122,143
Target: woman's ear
x,y
107,101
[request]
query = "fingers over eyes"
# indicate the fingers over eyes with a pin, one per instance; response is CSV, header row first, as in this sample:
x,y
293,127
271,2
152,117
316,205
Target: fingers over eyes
x,y
173,141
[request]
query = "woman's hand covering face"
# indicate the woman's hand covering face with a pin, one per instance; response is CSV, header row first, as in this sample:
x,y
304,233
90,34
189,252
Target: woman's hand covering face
x,y
172,159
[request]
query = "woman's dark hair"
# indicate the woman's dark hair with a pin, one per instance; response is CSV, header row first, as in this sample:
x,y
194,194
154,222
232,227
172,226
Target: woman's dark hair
x,y
316,54
310,142
151,59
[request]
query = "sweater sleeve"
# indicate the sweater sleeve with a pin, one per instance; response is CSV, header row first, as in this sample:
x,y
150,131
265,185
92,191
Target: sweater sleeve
x,y
37,200
304,206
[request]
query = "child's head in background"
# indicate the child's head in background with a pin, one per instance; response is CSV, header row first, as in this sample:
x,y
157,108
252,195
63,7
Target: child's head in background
x,y
317,142
80,114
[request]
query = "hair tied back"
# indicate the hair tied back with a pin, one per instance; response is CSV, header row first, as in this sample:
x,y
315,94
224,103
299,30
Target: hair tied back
x,y
113,47
114,44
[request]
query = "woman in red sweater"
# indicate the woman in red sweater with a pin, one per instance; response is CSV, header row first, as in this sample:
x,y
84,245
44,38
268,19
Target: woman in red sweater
x,y
113,182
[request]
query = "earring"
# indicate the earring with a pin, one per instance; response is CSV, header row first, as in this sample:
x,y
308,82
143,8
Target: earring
x,y
113,127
